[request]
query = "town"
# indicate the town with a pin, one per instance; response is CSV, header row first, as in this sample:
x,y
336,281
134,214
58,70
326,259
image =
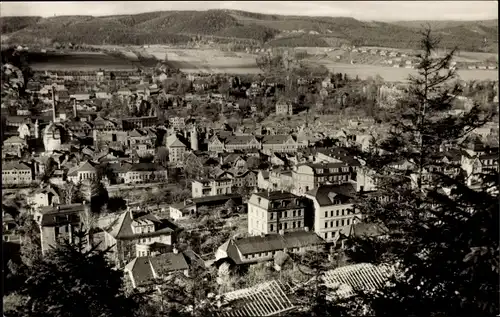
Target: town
x,y
239,177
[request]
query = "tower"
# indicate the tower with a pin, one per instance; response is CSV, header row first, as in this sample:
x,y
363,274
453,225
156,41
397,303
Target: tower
x,y
194,139
37,130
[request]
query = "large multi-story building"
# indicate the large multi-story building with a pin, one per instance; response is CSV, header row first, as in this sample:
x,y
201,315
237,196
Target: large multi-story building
x,y
310,175
58,223
15,173
211,187
333,209
176,149
272,212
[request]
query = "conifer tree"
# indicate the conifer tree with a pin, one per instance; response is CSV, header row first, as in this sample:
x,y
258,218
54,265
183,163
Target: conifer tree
x,y
441,235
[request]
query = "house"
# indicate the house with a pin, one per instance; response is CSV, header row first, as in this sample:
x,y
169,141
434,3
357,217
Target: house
x,y
241,142
191,206
327,83
279,143
243,177
277,211
44,196
139,122
124,92
264,299
142,136
80,96
176,148
178,123
10,231
263,179
200,84
211,187
333,210
145,173
58,222
129,232
16,173
284,108
14,146
310,175
216,144
85,171
103,95
143,270
262,248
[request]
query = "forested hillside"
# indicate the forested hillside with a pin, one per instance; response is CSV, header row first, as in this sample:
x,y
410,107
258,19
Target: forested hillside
x,y
167,27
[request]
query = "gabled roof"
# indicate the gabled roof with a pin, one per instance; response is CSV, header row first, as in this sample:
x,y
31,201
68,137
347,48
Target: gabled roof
x,y
8,166
239,139
326,194
276,139
144,269
173,141
14,139
122,228
270,243
83,167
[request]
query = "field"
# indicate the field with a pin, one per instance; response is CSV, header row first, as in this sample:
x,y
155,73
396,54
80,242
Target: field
x,y
397,74
78,61
207,60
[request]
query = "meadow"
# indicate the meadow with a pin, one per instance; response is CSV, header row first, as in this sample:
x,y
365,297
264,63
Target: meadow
x,y
397,74
206,60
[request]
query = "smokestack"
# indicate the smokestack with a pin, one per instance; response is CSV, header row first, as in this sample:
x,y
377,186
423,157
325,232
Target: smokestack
x,y
53,104
74,108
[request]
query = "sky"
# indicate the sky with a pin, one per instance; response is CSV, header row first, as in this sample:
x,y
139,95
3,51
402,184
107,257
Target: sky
x,y
362,10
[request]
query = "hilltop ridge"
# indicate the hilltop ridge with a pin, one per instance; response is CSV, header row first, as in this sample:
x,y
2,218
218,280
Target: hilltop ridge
x,y
170,27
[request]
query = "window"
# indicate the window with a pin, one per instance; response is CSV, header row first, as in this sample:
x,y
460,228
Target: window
x,y
272,228
337,213
331,213
326,214
281,226
326,235
326,224
298,224
272,215
337,223
331,223
286,214
348,221
286,225
342,221
294,224
294,213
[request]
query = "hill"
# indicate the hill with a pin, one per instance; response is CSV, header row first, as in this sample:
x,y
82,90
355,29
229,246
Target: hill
x,y
165,27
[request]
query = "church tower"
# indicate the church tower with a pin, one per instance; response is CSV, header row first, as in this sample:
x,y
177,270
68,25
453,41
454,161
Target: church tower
x,y
194,139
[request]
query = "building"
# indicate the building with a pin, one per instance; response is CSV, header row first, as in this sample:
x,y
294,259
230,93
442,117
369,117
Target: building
x,y
16,173
145,173
85,171
310,175
284,108
58,222
52,138
178,123
44,197
129,232
143,270
14,146
176,149
241,143
272,212
333,210
190,207
280,143
211,187
262,248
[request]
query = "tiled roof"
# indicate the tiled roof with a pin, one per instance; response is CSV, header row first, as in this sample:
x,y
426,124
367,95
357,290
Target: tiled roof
x,y
146,167
269,243
83,167
363,277
275,195
275,139
14,139
325,194
265,299
142,267
239,139
122,228
8,166
173,141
